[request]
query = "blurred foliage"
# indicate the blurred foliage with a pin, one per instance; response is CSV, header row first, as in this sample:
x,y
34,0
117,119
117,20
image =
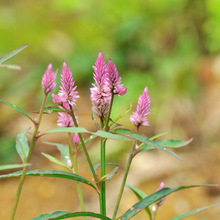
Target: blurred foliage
x,y
158,43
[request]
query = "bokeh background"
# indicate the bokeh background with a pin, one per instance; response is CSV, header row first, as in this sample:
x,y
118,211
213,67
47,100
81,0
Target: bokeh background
x,y
172,46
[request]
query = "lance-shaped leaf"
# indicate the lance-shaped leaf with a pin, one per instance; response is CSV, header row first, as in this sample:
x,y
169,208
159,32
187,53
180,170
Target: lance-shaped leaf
x,y
55,160
64,150
181,216
140,195
12,54
99,133
17,108
64,215
13,166
167,143
50,173
50,109
139,206
22,146
143,139
10,66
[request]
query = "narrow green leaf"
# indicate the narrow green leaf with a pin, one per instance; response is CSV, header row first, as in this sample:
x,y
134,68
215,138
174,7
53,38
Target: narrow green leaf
x,y
22,146
139,206
143,139
105,134
11,67
13,166
111,174
50,173
13,53
64,150
174,143
17,108
140,195
181,216
55,160
63,215
50,109
157,135
99,133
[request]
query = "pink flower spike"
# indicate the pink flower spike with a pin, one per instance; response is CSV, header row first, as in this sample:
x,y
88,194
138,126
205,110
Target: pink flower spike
x,y
48,82
160,202
76,139
64,120
113,81
140,116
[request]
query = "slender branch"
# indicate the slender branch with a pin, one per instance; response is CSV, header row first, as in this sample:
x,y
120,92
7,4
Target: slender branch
x,y
33,141
74,163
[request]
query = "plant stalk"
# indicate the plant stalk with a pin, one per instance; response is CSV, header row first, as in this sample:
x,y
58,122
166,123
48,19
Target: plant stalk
x,y
124,180
74,163
34,139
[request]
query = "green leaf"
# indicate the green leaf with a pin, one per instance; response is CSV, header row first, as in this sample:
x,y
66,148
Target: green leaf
x,y
157,135
140,195
166,143
143,139
181,216
13,166
50,173
99,133
17,108
55,160
63,215
13,53
50,109
174,143
111,174
64,150
22,146
12,67
139,206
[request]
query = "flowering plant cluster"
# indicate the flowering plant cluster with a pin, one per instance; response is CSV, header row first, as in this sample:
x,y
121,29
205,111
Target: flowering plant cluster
x,y
107,84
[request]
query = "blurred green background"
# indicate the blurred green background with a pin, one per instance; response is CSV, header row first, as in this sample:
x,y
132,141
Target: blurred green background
x,y
172,46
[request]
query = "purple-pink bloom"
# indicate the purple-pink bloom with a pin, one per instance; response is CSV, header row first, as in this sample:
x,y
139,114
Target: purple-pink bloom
x,y
113,81
67,94
100,99
76,139
48,82
160,202
140,116
64,120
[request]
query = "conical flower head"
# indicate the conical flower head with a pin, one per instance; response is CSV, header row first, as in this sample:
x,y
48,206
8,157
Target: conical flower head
x,y
48,82
140,116
100,99
67,94
113,81
64,120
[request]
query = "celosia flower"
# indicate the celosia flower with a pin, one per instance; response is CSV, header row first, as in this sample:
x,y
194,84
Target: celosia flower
x,y
140,116
67,94
48,82
100,99
113,82
64,120
76,139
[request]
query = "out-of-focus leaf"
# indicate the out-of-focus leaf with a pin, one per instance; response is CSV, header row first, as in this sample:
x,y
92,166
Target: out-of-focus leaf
x,y
10,66
55,160
181,216
63,148
50,173
140,195
17,108
22,146
64,215
139,206
67,130
12,54
13,166
143,139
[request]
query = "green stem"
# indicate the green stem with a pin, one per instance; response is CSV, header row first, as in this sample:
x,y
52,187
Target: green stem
x,y
74,163
103,160
34,139
84,147
124,180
